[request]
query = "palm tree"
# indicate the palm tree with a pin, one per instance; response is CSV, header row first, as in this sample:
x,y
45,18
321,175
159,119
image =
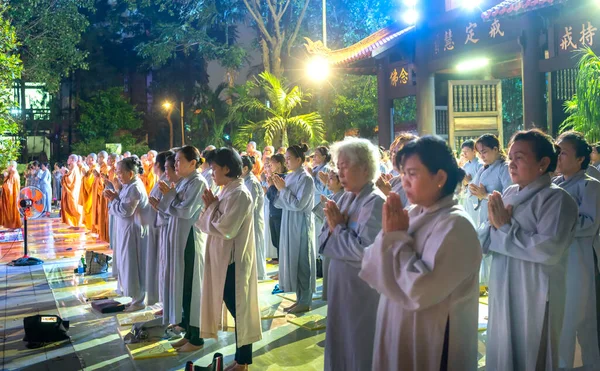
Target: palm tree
x,y
584,108
279,112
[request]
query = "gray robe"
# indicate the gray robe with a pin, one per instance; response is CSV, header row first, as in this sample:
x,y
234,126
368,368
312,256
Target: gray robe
x,y
296,241
230,228
258,197
45,185
207,174
56,185
164,248
579,324
527,278
320,189
152,253
471,168
130,210
427,277
396,184
352,305
336,198
183,205
593,172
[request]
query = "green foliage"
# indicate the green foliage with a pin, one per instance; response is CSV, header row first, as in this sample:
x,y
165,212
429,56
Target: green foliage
x,y
128,143
10,69
105,113
512,107
584,108
279,112
208,122
50,32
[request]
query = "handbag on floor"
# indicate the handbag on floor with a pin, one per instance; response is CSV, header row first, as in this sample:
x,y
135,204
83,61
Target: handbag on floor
x,y
216,365
108,306
96,262
41,329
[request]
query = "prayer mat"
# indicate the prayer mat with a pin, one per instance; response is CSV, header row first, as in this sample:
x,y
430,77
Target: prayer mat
x,y
125,319
156,349
312,322
292,296
8,235
271,312
107,294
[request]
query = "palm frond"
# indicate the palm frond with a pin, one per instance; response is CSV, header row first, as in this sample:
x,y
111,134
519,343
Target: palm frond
x,y
311,124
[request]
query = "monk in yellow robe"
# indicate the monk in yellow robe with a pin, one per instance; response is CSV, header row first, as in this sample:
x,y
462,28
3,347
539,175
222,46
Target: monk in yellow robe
x,y
71,186
86,196
149,177
101,214
9,210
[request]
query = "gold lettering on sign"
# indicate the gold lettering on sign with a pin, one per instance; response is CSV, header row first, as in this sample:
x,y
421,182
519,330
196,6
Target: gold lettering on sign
x,y
394,77
567,39
471,33
495,29
448,42
403,76
587,34
436,46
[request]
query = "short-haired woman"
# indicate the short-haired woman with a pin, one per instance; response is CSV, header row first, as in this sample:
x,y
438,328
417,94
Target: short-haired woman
x,y
425,265
130,208
529,229
183,203
580,323
352,223
297,255
230,274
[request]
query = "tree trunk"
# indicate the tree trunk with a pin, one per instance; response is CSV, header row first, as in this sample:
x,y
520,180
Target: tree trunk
x,y
276,65
170,127
284,138
265,55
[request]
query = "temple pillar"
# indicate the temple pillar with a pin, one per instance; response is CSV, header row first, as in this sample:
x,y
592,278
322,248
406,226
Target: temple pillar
x,y
534,82
425,92
384,105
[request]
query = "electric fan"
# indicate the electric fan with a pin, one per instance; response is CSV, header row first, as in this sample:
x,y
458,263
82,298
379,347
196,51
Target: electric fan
x,y
37,197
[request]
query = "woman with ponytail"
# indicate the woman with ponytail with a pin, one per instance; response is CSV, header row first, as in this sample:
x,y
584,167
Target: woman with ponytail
x,y
129,206
297,255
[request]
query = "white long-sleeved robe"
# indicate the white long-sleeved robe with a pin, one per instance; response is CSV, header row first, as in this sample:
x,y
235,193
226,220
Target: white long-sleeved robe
x,y
428,280
270,250
258,199
580,324
152,252
164,248
397,187
471,168
207,174
130,210
45,185
320,189
230,228
352,303
335,198
296,201
183,204
527,278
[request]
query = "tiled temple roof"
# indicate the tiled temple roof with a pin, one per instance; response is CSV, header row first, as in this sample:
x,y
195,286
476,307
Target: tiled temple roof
x,y
514,7
361,50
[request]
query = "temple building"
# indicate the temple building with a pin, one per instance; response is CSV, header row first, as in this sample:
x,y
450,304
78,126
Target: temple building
x,y
500,70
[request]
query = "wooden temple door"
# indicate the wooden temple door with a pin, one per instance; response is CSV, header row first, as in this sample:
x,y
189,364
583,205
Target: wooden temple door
x,y
474,109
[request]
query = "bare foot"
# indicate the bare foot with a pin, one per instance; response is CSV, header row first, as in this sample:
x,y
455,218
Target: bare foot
x,y
290,307
299,309
189,347
180,343
236,367
134,307
159,313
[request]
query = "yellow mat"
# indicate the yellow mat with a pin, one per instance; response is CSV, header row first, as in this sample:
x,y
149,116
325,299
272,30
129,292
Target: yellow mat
x,y
484,300
106,294
126,319
157,349
313,322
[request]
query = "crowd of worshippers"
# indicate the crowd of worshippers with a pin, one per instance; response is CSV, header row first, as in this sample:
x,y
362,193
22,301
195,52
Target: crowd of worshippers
x,y
409,242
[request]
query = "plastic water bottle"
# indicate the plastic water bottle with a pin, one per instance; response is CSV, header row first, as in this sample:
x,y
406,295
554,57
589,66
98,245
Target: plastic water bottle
x,y
80,266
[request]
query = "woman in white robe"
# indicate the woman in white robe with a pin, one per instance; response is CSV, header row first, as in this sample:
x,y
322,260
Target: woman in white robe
x,y
351,226
580,323
56,184
183,203
392,182
230,275
529,230
130,208
425,264
206,172
492,176
46,187
297,255
321,159
258,197
153,251
471,168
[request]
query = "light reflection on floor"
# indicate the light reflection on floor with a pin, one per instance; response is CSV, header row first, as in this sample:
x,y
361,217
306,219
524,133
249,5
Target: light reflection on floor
x,y
95,343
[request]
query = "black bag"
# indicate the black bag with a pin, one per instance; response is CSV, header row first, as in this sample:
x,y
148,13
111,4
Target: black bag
x,y
216,365
96,262
319,267
108,306
41,329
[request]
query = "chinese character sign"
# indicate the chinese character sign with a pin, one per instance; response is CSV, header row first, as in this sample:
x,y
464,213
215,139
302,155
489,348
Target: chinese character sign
x,y
471,33
587,34
495,29
394,77
448,42
403,76
569,41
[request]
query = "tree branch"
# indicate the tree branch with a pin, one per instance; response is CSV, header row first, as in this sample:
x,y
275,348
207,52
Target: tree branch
x,y
298,24
259,21
287,3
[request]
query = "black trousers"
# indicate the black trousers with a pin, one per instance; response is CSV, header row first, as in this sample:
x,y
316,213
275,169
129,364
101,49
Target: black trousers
x,y
243,354
275,229
192,333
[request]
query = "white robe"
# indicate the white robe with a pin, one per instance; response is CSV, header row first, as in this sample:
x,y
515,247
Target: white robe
x,y
320,189
152,253
352,303
471,168
427,277
397,187
183,205
207,174
45,185
258,197
230,228
336,198
580,324
528,275
296,201
130,210
164,248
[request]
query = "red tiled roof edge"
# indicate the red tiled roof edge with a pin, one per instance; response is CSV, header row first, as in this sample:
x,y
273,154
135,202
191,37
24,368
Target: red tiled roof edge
x,y
514,7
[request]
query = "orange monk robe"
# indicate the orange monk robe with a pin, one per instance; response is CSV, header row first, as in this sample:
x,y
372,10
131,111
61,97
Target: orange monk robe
x,y
149,178
101,215
86,198
71,186
9,211
258,167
